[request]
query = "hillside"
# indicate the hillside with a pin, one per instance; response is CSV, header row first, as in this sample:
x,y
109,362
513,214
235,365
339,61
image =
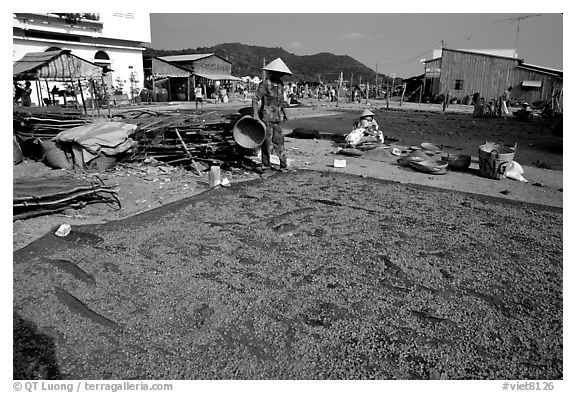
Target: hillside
x,y
248,60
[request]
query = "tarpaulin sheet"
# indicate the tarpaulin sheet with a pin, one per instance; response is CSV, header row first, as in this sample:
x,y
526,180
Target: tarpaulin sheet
x,y
58,65
108,137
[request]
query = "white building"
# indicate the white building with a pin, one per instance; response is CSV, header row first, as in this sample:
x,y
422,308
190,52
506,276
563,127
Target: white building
x,y
112,39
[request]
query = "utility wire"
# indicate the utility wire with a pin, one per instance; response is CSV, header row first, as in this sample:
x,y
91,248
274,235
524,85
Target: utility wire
x,y
404,61
481,33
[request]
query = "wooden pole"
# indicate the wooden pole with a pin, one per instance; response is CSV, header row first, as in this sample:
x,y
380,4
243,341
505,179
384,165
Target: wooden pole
x,y
188,152
169,93
388,96
94,101
81,95
376,81
107,98
367,91
92,94
351,87
48,90
403,90
39,92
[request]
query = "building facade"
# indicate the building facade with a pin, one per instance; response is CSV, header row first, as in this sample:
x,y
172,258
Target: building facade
x,y
462,73
111,39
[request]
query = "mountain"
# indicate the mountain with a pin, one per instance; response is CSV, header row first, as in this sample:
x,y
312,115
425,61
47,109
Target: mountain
x,y
248,60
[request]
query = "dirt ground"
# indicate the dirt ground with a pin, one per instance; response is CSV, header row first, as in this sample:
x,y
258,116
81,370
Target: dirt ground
x,y
302,275
371,271
145,186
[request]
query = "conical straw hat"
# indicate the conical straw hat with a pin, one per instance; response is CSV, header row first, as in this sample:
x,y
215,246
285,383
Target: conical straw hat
x,y
278,66
366,113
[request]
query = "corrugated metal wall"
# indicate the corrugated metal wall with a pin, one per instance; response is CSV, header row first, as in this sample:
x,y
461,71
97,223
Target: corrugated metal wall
x,y
490,76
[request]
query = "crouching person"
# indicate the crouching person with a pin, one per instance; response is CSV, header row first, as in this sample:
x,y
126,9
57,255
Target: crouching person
x,y
365,130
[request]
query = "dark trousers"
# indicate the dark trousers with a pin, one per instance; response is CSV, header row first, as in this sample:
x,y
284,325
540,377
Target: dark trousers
x,y
274,138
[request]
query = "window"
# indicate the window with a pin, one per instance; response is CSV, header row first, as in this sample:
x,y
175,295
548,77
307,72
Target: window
x,y
458,84
101,55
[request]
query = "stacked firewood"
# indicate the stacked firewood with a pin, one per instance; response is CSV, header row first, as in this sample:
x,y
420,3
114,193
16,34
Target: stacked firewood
x,y
179,138
45,125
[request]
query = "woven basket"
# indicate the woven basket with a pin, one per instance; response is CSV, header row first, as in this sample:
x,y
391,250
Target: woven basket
x,y
55,156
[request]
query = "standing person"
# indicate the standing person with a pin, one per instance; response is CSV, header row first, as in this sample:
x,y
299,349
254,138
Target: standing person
x,y
269,106
27,95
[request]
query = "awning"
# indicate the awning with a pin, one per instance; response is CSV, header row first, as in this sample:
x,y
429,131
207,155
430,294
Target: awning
x,y
531,83
58,65
218,77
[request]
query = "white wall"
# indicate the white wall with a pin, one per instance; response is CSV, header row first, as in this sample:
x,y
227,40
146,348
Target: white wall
x,y
121,38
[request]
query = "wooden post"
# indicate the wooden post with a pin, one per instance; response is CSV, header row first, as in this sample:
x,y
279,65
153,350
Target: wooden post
x,y
92,94
403,90
387,96
339,87
188,152
107,98
94,102
376,81
169,93
351,88
48,90
214,178
39,93
367,91
81,95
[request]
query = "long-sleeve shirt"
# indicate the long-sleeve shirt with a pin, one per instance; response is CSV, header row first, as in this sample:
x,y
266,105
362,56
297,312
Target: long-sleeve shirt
x,y
272,103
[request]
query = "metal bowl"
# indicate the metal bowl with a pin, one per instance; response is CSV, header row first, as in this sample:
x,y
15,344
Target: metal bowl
x,y
457,162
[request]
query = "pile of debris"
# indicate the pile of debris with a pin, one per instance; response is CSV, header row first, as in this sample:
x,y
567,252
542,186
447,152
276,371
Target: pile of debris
x,y
174,137
182,137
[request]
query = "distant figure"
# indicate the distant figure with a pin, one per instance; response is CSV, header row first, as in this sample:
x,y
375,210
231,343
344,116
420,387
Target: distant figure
x,y
17,92
27,95
198,93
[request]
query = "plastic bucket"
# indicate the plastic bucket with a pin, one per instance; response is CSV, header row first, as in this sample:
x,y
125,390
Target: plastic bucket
x,y
494,159
249,132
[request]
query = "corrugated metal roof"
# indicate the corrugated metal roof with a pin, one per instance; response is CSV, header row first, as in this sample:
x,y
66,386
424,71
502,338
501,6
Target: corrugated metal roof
x,y
186,57
217,77
536,68
55,65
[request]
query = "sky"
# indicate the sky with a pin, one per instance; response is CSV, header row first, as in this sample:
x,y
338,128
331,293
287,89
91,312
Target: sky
x,y
391,43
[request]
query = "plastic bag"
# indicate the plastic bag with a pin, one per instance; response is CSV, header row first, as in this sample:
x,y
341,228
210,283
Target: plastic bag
x,y
515,172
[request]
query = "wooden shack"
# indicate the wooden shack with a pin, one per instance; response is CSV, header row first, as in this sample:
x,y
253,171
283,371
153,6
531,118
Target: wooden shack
x,y
462,73
159,73
207,69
